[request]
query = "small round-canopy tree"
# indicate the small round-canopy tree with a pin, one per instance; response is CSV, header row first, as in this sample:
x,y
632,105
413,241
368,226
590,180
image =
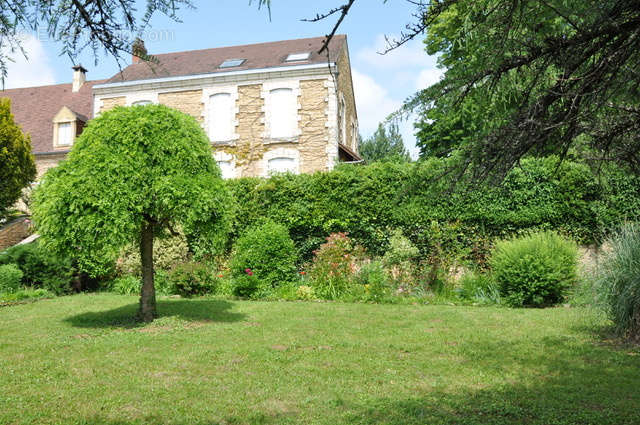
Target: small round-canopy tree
x,y
133,174
17,168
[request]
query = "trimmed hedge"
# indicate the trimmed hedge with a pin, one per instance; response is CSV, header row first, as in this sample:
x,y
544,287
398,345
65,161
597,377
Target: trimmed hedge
x,y
370,202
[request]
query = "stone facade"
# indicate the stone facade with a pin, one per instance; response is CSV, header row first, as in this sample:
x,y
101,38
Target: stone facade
x,y
346,95
312,147
314,135
14,232
45,162
112,102
189,102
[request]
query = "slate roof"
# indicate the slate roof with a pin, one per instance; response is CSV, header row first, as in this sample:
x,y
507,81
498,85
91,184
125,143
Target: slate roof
x,y
34,108
207,61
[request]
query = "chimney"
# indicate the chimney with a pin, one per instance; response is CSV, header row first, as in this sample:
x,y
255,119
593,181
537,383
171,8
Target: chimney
x,y
138,50
79,77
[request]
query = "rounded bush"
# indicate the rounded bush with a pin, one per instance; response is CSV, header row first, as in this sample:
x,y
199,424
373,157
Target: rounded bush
x,y
263,258
192,280
10,278
534,270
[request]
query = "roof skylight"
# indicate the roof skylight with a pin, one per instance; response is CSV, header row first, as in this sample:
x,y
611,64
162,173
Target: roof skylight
x,y
230,63
297,57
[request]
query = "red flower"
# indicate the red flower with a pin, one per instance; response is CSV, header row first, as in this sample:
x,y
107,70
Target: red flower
x,y
220,275
248,271
303,272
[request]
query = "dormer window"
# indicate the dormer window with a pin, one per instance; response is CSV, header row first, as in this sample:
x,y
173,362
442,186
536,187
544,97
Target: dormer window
x,y
231,63
66,126
298,57
65,134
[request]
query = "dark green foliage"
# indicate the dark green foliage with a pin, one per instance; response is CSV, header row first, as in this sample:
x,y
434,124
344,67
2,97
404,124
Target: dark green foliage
x,y
617,281
266,254
10,278
17,166
192,280
41,267
370,202
534,270
384,145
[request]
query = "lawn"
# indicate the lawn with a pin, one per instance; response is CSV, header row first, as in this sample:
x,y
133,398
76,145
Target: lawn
x,y
81,360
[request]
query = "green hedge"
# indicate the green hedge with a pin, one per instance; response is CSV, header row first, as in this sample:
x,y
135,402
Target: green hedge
x,y
369,202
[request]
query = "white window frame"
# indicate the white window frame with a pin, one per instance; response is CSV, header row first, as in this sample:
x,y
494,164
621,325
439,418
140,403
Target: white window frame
x,y
267,88
281,153
342,113
222,156
206,96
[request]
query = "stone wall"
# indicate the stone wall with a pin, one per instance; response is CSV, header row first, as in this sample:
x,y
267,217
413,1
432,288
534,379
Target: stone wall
x,y
189,102
313,125
345,90
14,232
250,147
112,102
45,162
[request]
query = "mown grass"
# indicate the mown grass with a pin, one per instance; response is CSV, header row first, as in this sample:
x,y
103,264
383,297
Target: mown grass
x,y
82,360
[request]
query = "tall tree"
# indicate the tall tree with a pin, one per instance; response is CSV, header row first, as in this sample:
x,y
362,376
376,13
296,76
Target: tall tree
x,y
109,25
539,77
134,174
17,167
384,144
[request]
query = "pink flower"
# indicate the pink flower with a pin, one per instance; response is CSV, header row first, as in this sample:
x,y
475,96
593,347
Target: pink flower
x,y
248,271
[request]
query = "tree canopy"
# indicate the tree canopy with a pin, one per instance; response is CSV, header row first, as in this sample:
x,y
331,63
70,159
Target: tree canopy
x,y
17,167
133,174
537,77
384,144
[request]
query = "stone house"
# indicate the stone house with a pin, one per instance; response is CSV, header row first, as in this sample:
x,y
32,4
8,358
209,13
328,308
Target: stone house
x,y
268,107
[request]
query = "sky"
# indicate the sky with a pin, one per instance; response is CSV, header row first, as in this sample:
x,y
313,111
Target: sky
x,y
381,82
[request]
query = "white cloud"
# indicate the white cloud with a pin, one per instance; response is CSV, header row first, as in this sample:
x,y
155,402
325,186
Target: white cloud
x,y
373,102
34,70
409,55
427,77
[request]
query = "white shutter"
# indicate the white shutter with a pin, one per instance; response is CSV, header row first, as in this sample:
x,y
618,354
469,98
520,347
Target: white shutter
x,y
283,113
65,138
226,169
220,117
282,165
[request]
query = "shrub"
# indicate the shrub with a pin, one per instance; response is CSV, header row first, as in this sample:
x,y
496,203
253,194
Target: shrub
x,y
373,282
167,254
127,285
479,288
534,270
617,280
26,294
400,250
41,268
248,285
192,280
268,253
334,266
10,278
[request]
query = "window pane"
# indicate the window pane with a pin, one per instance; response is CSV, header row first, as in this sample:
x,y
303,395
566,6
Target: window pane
x,y
220,117
142,103
65,138
226,168
283,113
282,165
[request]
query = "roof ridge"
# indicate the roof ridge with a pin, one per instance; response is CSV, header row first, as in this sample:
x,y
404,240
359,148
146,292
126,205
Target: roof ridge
x,y
51,85
236,46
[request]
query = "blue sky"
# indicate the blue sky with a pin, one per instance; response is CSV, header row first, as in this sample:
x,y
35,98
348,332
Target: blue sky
x,y
381,82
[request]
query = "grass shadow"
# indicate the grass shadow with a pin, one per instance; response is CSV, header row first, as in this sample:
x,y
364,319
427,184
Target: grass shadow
x,y
203,310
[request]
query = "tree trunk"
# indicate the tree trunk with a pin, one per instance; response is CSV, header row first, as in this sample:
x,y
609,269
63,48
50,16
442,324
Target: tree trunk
x,y
148,294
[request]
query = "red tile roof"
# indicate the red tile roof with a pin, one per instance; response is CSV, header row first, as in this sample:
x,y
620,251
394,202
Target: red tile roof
x,y
258,56
35,107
